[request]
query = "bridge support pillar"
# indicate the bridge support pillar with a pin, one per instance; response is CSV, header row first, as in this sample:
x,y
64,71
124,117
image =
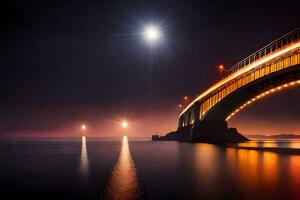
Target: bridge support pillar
x,y
180,123
196,124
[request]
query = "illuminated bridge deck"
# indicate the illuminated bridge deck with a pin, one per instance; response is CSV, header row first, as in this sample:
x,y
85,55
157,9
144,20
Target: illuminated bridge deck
x,y
278,56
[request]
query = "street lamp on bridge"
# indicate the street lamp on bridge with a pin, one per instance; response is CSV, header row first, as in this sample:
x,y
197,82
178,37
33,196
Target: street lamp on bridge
x,y
221,69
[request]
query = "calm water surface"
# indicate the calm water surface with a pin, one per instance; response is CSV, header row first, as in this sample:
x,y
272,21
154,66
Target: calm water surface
x,y
136,169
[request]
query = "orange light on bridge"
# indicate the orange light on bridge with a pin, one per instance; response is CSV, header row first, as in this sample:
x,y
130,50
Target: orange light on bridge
x,y
185,98
292,83
180,106
278,88
221,68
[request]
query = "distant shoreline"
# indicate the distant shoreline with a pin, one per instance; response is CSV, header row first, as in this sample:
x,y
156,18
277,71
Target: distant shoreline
x,y
278,136
290,151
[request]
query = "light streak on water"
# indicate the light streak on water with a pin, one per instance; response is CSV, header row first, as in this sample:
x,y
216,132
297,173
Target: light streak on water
x,y
84,161
123,182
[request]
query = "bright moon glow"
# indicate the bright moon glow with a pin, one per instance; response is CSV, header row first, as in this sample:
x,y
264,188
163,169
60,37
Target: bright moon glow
x,y
152,33
83,127
124,124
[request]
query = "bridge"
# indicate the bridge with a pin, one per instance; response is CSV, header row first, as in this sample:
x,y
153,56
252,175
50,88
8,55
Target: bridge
x,y
270,69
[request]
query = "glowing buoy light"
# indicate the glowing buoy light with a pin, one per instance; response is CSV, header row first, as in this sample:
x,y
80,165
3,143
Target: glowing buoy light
x,y
83,127
124,124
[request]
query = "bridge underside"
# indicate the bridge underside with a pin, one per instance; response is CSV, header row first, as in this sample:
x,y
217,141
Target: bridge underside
x,y
236,99
213,128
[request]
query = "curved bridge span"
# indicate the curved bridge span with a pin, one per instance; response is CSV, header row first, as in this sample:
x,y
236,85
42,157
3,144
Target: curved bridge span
x,y
270,69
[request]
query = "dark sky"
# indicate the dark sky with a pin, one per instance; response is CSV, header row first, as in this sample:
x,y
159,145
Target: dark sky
x,y
69,62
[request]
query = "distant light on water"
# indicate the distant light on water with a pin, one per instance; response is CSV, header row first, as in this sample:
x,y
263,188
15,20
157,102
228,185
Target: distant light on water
x,y
123,182
83,140
84,161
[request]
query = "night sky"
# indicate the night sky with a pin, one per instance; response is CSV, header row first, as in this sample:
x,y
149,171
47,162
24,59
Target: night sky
x,y
64,63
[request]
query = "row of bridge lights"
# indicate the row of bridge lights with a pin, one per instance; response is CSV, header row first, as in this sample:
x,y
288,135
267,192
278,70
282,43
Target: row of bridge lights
x,y
263,95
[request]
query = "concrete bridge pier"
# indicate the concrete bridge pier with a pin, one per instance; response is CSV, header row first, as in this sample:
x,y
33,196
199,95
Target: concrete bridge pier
x,y
196,124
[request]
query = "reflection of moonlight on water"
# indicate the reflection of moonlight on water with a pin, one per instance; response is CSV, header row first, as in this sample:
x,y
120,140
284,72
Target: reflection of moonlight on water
x,y
84,161
123,182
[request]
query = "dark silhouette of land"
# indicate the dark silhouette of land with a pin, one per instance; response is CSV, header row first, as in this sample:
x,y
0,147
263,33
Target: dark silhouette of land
x,y
208,132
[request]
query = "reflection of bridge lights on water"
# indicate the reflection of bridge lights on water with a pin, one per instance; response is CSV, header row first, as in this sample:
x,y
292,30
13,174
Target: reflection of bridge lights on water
x,y
206,163
84,161
252,167
278,88
123,182
294,166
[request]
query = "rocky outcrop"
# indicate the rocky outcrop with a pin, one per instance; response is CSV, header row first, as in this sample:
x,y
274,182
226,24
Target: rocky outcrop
x,y
216,132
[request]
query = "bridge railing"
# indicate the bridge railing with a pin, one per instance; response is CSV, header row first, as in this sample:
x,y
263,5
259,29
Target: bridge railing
x,y
282,42
213,98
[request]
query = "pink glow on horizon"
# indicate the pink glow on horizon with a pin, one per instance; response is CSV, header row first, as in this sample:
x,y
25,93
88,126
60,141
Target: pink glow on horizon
x,y
145,126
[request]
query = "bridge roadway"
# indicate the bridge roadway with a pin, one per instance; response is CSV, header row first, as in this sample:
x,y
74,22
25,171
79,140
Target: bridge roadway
x,y
270,69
